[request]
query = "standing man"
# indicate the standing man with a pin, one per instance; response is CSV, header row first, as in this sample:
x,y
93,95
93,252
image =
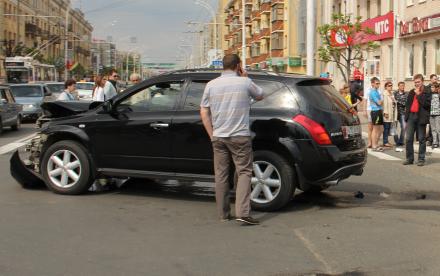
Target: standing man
x,y
135,78
225,110
376,106
110,85
67,94
417,115
400,95
432,82
113,78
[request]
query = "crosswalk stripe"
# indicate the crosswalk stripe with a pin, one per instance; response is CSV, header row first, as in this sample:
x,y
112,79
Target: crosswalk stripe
x,y
15,145
383,156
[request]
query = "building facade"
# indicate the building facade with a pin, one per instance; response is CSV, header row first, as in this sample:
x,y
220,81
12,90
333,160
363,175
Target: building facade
x,y
41,26
275,33
408,36
104,55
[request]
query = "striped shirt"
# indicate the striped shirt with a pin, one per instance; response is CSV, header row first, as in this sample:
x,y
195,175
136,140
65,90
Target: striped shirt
x,y
229,99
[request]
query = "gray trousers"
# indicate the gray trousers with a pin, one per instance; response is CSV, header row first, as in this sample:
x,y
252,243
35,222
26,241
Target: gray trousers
x,y
434,121
239,149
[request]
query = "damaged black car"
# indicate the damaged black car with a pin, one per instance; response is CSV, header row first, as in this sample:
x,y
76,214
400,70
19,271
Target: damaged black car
x,y
305,136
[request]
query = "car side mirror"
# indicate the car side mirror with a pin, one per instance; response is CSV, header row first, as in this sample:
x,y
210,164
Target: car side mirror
x,y
107,107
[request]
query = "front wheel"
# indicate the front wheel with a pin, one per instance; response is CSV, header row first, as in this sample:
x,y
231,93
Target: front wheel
x,y
273,181
66,168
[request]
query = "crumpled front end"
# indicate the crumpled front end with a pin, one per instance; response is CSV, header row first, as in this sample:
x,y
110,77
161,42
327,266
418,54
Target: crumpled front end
x,y
26,170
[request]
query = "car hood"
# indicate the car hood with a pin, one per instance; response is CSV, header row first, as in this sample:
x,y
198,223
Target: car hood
x,y
29,100
60,109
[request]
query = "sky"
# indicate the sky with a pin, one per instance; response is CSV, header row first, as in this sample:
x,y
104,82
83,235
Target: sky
x,y
159,25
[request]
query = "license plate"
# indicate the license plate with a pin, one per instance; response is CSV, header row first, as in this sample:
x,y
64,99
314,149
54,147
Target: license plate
x,y
351,131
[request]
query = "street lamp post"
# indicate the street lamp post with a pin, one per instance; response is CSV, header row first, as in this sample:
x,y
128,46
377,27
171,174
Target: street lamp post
x,y
66,43
207,6
243,31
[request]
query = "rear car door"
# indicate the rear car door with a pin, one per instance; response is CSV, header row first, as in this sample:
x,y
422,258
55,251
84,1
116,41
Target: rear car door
x,y
14,107
6,111
137,135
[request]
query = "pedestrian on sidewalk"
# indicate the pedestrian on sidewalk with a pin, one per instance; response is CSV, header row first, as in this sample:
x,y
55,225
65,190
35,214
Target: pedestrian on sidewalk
x,y
67,94
400,95
389,114
435,115
98,90
376,103
225,110
345,93
418,107
367,108
109,87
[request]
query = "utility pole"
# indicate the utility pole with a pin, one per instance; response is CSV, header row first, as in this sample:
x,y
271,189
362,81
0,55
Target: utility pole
x,y
18,22
66,43
311,29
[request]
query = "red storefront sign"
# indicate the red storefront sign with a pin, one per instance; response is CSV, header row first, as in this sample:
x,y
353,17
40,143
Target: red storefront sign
x,y
418,25
382,26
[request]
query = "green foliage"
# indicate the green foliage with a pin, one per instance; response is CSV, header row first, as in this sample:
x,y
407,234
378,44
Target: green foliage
x,y
79,71
350,32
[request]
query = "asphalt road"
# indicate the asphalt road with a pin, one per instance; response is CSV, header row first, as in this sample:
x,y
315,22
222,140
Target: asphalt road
x,y
170,228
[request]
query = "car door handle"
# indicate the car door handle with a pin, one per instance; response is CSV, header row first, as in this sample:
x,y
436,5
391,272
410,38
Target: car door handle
x,y
159,125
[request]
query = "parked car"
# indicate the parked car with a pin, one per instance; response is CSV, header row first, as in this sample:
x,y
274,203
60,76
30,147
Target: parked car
x,y
85,90
56,88
9,110
31,96
305,136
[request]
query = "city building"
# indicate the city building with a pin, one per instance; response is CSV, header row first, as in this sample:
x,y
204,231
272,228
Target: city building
x,y
40,27
104,55
407,33
275,33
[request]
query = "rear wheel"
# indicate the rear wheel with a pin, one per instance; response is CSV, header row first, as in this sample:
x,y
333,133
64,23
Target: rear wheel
x,y
273,181
17,124
66,168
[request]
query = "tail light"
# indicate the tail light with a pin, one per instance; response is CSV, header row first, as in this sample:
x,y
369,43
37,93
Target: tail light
x,y
316,130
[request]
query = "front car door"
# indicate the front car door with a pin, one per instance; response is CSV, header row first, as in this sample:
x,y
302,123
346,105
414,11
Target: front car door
x,y
6,112
136,136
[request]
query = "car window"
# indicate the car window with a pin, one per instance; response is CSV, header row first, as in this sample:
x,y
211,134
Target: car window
x,y
276,95
84,86
27,91
158,97
194,96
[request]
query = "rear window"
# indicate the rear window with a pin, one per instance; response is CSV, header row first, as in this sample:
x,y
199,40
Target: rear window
x,y
276,95
27,91
322,96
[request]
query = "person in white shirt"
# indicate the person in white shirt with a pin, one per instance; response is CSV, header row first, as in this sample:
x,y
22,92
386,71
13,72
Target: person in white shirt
x,y
109,90
98,91
66,95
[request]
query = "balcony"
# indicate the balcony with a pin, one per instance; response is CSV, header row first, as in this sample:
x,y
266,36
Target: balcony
x,y
265,32
265,8
277,53
30,29
256,15
277,26
274,2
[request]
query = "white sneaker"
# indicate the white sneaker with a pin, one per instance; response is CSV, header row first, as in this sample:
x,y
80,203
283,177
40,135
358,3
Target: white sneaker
x,y
398,149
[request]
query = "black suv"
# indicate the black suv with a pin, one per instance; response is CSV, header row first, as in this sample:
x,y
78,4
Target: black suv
x,y
305,136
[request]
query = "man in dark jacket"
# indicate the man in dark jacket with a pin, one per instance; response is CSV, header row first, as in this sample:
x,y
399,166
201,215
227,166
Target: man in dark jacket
x,y
417,114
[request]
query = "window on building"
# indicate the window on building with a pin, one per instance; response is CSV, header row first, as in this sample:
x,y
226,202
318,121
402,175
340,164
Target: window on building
x,y
277,12
424,53
437,57
411,61
368,9
409,2
277,41
255,50
358,10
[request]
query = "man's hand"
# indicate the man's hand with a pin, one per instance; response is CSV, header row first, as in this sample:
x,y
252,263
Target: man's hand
x,y
205,113
242,72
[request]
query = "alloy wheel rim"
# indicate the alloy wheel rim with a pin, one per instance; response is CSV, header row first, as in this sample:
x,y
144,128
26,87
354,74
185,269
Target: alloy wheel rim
x,y
266,182
64,169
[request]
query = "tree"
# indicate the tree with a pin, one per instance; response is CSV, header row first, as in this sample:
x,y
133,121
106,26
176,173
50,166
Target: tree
x,y
343,42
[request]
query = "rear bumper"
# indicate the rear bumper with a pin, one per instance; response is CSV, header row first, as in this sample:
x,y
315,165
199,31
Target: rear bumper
x,y
23,174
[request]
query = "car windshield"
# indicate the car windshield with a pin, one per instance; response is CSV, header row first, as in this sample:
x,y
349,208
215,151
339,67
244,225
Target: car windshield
x,y
56,87
84,86
27,91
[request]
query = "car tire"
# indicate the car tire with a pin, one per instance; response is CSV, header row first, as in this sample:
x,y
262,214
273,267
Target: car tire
x,y
58,176
281,183
17,124
315,189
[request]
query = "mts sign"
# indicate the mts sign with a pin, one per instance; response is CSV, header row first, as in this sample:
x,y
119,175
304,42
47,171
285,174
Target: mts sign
x,y
383,26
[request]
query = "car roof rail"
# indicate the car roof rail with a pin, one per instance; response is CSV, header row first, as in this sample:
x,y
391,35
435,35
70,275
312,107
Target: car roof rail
x,y
218,70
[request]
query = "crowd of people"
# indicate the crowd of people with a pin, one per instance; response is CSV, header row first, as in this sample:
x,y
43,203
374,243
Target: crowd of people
x,y
416,113
105,87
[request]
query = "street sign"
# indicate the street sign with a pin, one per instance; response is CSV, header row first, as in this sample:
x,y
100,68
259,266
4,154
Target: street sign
x,y
217,63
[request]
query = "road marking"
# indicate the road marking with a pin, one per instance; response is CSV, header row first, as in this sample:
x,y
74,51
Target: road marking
x,y
383,156
308,244
15,145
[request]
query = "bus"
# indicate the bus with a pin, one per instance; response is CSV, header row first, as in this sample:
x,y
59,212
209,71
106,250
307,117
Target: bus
x,y
26,70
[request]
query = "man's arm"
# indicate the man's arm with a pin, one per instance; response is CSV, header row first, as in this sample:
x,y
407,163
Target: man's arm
x,y
205,113
256,92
